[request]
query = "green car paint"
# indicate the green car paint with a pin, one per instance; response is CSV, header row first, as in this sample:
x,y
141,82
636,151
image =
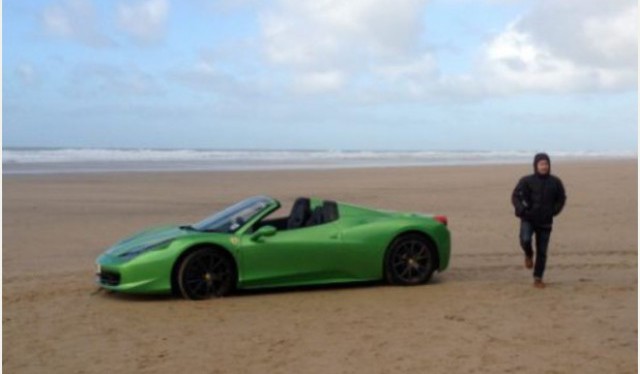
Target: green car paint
x,y
350,248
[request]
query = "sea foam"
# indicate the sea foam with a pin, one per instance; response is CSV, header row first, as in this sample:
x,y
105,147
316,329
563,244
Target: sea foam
x,y
48,160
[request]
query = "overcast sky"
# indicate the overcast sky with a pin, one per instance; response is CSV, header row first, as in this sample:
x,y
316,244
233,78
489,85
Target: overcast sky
x,y
322,74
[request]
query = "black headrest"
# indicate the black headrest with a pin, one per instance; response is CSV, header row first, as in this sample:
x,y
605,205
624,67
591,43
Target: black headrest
x,y
330,211
316,217
300,213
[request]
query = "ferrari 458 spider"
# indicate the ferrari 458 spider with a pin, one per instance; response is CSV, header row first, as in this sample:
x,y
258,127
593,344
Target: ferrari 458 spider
x,y
243,246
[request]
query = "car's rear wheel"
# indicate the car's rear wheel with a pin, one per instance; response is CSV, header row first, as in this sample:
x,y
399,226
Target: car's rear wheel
x,y
205,273
410,260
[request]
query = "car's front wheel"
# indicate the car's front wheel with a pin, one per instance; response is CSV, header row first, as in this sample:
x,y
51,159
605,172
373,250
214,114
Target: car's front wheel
x,y
205,273
410,260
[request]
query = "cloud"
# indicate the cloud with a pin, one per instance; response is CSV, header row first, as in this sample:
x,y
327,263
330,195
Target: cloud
x,y
376,46
228,6
27,75
567,46
205,75
74,20
100,79
588,32
216,77
144,20
318,82
325,43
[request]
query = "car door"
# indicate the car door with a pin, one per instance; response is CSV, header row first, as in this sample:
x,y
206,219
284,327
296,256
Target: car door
x,y
298,256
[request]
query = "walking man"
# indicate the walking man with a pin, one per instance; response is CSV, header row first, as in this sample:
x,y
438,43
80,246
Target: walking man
x,y
537,198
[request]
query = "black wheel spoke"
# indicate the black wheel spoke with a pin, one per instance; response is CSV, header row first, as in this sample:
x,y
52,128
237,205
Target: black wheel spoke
x,y
198,267
398,263
218,265
199,286
210,288
406,271
204,264
413,248
193,279
212,262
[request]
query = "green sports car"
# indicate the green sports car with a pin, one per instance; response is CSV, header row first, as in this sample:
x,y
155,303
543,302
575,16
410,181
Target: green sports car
x,y
243,246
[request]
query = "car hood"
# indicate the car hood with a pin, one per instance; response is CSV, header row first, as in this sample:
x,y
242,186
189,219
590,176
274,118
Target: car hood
x,y
145,238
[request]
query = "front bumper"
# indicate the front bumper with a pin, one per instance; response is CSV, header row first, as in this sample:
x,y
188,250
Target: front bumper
x,y
150,273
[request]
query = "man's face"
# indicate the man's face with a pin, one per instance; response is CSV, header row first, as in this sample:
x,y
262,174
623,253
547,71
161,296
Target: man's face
x,y
543,167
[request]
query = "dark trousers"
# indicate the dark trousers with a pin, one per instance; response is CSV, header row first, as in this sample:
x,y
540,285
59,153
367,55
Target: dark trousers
x,y
543,234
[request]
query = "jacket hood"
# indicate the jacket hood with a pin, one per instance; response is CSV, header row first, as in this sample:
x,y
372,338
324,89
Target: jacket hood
x,y
537,158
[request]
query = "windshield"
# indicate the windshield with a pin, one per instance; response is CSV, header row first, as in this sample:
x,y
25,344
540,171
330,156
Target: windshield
x,y
232,218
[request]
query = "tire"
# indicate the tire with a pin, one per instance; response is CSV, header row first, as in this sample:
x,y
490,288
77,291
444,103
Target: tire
x,y
205,273
410,260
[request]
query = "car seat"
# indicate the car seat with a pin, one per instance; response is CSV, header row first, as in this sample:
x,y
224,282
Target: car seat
x,y
299,213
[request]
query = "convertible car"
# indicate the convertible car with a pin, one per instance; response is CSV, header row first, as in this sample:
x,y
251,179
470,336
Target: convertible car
x,y
243,246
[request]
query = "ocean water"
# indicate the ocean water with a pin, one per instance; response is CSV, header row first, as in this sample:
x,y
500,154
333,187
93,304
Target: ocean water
x,y
92,160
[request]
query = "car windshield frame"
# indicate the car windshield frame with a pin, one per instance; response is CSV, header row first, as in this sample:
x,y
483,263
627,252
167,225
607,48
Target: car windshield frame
x,y
235,216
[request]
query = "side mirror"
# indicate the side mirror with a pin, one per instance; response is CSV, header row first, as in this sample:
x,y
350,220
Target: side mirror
x,y
264,231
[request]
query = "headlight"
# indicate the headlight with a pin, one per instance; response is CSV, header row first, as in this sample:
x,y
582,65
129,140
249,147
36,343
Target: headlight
x,y
135,252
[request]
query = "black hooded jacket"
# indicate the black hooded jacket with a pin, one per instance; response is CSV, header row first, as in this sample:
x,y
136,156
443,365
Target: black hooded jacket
x,y
538,198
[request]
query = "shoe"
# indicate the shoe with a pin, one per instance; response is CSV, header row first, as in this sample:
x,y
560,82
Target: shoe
x,y
538,283
528,262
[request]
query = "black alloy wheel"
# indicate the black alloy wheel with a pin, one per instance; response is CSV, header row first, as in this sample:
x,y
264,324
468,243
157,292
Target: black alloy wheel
x,y
206,273
410,260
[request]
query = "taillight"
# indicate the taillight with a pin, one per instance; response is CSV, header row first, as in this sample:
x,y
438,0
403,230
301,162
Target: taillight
x,y
441,219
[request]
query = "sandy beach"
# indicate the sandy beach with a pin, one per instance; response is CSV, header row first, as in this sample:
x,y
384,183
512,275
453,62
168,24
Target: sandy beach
x,y
480,316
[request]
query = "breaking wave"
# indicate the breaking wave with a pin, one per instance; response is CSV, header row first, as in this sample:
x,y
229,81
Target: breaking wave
x,y
69,160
